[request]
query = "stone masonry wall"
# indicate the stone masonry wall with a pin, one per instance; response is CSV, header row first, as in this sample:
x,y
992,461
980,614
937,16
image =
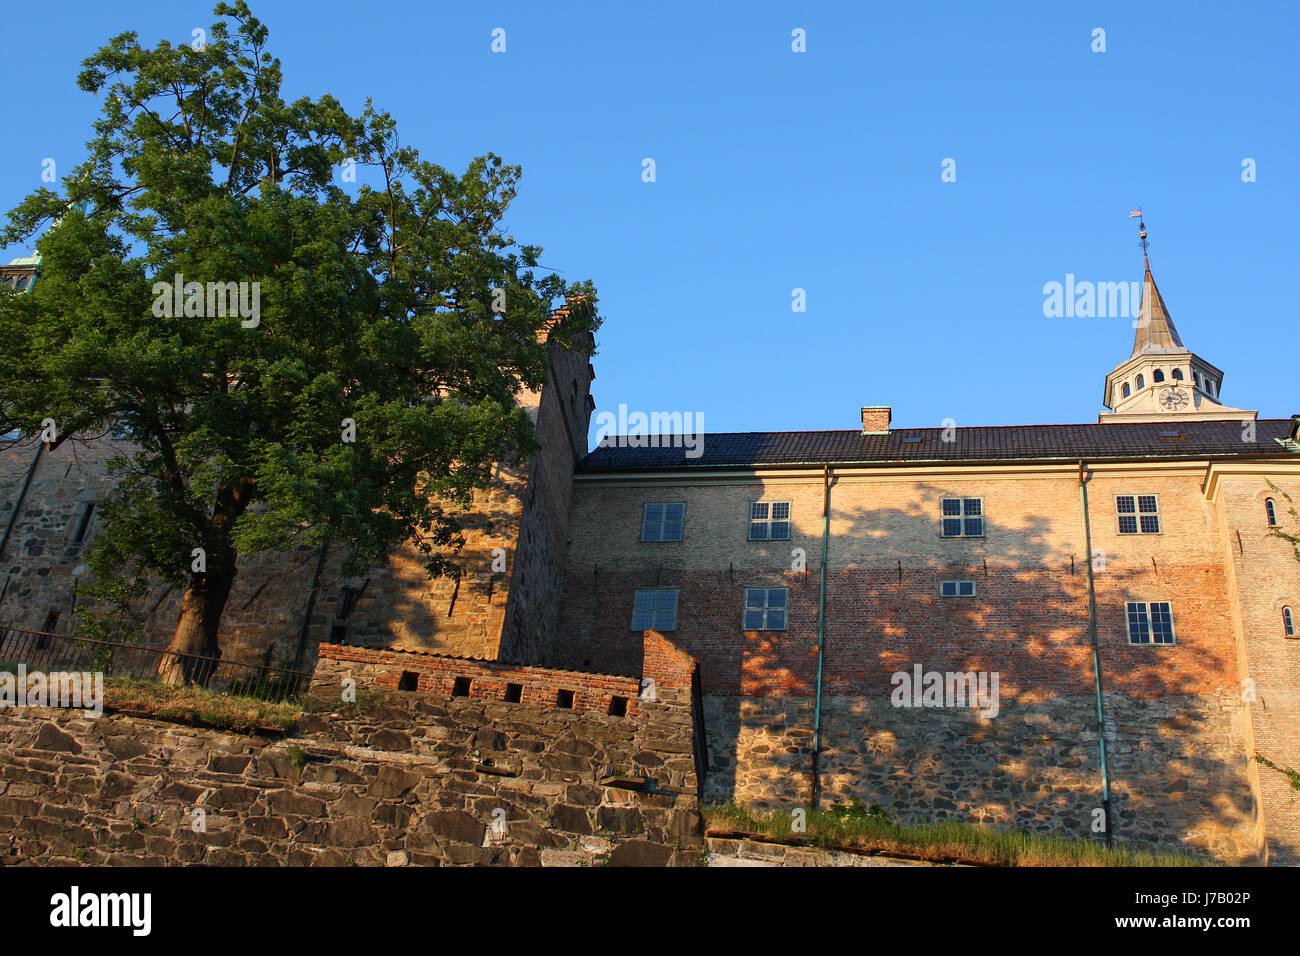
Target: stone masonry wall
x,y
399,777
1177,765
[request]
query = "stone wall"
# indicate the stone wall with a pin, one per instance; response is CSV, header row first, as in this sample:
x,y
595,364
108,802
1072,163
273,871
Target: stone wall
x,y
1178,770
394,778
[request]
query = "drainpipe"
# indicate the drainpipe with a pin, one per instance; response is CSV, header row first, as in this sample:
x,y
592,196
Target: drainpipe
x,y
821,643
1096,659
22,496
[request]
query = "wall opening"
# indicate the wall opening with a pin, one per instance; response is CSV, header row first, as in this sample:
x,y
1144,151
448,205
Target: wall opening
x,y
564,700
514,693
460,687
410,681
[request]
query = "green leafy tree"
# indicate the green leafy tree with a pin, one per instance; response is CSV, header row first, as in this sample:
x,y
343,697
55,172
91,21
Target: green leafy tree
x,y
357,387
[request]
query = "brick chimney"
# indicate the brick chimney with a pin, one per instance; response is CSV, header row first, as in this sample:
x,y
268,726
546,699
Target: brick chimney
x,y
875,419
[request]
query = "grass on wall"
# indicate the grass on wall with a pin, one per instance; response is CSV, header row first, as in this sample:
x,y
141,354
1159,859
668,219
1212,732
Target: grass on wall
x,y
853,826
195,705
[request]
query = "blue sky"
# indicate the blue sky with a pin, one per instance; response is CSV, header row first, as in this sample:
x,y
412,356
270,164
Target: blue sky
x,y
819,170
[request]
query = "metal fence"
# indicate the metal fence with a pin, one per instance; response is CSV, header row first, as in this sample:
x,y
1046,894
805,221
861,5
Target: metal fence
x,y
37,650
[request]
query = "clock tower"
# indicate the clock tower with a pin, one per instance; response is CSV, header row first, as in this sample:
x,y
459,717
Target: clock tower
x,y
1163,380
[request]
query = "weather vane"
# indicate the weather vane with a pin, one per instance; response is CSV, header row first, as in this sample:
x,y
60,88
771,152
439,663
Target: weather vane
x,y
1142,229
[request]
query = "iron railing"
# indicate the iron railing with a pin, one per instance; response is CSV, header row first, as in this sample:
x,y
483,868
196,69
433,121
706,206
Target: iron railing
x,y
38,650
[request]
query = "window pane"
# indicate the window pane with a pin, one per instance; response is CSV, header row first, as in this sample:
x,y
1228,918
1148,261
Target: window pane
x,y
1147,504
948,589
758,530
776,620
1138,631
650,532
672,531
665,599
781,509
674,512
951,527
753,620
642,620
758,509
781,529
966,588
665,620
951,506
644,599
654,512
1150,524
975,526
1124,504
974,506
1162,623
1127,524
776,597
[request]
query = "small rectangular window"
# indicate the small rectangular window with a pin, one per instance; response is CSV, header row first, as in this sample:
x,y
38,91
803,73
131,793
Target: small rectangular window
x,y
1150,623
769,521
655,609
1137,514
962,517
564,699
460,687
514,693
766,609
957,588
410,681
663,521
618,706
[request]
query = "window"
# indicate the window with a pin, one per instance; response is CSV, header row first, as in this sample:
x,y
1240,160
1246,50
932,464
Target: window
x,y
662,521
765,609
1271,511
1138,514
769,521
1141,382
514,693
1150,623
618,707
564,699
655,609
1178,375
409,680
460,687
962,517
1127,391
957,588
1157,376
1288,626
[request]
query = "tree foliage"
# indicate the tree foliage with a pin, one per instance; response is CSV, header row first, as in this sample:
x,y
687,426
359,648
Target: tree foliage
x,y
375,305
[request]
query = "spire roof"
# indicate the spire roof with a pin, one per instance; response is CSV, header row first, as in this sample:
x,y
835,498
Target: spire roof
x,y
1155,329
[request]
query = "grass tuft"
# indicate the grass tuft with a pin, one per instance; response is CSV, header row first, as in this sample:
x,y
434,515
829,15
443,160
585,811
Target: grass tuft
x,y
853,826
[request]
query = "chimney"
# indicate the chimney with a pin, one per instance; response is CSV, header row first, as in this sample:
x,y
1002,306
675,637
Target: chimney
x,y
875,419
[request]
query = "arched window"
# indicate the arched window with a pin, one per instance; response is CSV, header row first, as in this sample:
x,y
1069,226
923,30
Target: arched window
x,y
1157,376
1271,511
1178,374
1142,383
1288,625
1127,390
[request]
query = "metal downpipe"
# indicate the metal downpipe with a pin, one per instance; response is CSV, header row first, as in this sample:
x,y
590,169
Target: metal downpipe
x,y
1096,659
821,643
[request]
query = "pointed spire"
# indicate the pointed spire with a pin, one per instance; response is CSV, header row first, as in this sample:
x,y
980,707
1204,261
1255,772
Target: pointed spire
x,y
1155,329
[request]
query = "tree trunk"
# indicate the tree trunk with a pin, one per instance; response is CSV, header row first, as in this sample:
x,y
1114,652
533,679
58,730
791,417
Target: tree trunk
x,y
192,655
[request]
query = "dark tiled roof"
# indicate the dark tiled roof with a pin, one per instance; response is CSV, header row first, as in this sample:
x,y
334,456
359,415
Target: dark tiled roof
x,y
1002,443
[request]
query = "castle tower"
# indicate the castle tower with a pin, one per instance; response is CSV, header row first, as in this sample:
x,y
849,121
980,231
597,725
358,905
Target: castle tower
x,y
1162,380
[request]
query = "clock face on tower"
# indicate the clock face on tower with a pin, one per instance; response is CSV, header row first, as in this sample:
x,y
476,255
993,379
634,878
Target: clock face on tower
x,y
1173,399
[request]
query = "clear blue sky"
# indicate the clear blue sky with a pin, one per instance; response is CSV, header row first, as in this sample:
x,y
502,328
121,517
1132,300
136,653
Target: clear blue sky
x,y
818,170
